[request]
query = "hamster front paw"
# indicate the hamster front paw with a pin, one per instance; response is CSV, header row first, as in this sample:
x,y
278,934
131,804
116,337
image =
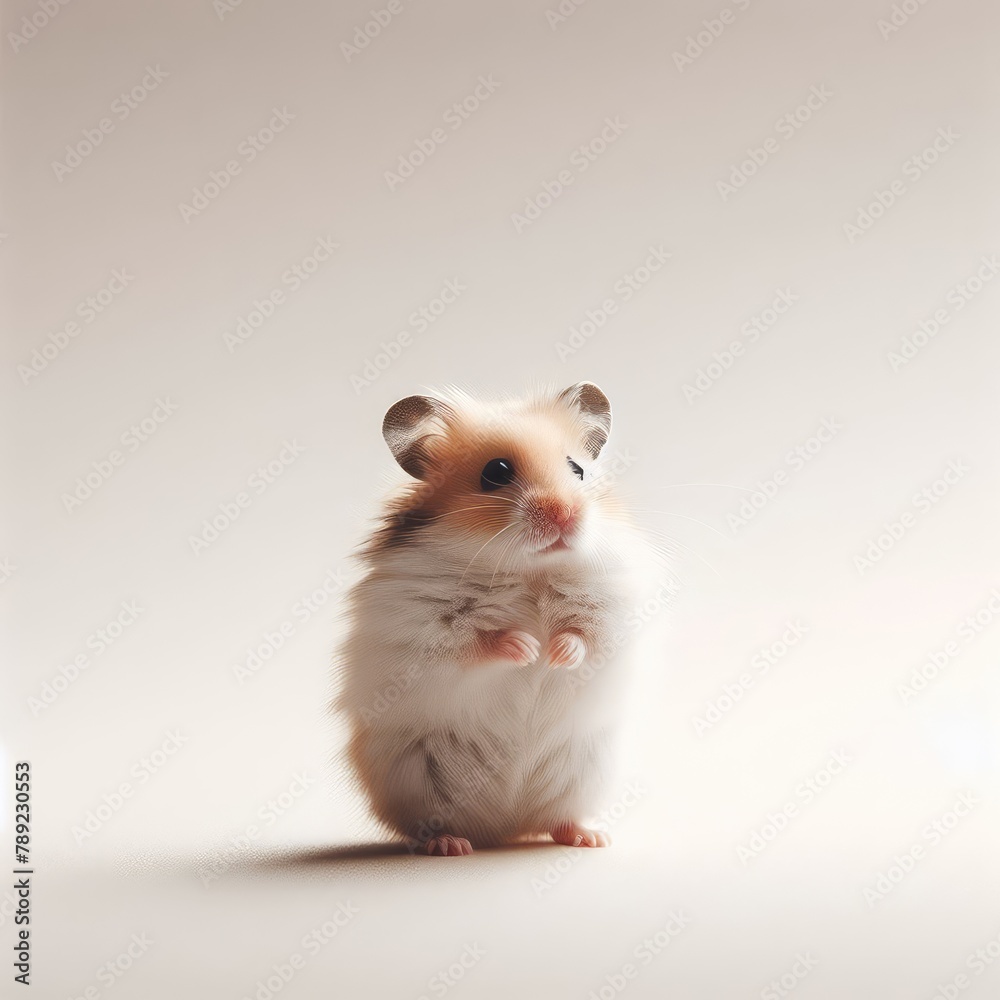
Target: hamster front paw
x,y
567,650
521,648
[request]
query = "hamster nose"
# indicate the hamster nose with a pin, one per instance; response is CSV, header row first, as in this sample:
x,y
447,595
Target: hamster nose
x,y
558,513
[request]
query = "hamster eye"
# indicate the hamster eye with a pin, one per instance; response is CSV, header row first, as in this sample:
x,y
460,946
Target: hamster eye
x,y
496,473
577,470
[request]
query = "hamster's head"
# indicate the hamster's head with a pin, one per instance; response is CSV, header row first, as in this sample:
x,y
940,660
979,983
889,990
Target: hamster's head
x,y
511,483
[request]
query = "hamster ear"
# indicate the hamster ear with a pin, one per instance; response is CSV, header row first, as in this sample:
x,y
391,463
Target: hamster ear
x,y
406,427
595,413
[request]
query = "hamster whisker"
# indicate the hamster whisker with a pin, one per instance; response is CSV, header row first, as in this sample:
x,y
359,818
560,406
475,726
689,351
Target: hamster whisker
x,y
724,486
595,558
461,510
670,513
668,555
497,496
507,546
590,480
483,546
674,541
665,559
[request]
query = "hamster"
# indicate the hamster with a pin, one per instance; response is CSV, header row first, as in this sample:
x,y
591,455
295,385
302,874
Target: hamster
x,y
486,652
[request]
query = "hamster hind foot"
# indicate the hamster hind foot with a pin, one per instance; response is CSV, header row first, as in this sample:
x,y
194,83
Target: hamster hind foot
x,y
573,835
447,846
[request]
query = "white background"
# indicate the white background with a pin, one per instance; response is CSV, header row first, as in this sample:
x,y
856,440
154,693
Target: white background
x,y
68,224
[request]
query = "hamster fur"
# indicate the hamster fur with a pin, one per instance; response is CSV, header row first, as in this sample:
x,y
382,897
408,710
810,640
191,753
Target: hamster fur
x,y
483,670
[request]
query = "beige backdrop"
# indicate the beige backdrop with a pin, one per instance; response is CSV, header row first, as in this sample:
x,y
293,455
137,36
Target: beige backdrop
x,y
234,233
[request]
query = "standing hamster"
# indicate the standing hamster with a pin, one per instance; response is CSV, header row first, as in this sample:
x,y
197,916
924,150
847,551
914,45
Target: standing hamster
x,y
486,652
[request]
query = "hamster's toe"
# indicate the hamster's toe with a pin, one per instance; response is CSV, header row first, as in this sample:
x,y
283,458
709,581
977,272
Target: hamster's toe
x,y
448,846
572,835
567,650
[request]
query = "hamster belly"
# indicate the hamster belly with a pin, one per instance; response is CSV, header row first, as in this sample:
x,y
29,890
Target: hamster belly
x,y
491,753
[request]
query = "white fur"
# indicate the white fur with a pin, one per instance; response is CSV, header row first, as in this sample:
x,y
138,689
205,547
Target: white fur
x,y
489,751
